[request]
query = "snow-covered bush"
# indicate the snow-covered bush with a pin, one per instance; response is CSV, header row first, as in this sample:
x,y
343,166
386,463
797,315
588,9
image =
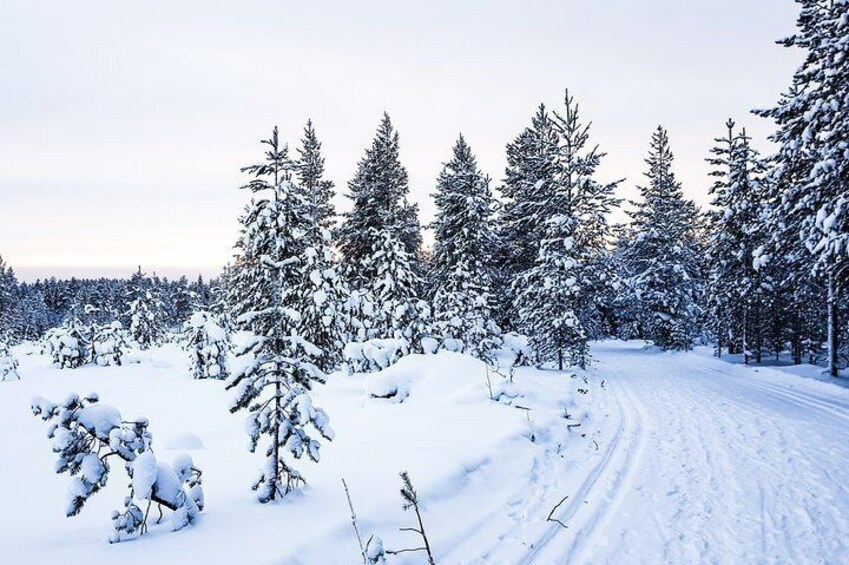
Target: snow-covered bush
x,y
207,343
375,354
8,364
68,345
108,344
86,434
375,553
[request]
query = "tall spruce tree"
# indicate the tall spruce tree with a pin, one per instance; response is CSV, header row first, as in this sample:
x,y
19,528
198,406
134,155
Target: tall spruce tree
x,y
565,282
144,312
531,172
378,191
274,385
737,292
310,172
812,164
662,258
462,276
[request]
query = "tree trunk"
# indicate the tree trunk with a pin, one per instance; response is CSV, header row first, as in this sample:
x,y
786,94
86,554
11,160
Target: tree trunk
x,y
832,326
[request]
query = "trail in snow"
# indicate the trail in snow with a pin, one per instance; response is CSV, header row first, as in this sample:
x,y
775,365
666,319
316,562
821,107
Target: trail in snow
x,y
723,464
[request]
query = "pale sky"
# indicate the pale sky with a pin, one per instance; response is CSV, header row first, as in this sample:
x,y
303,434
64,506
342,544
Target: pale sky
x,y
123,123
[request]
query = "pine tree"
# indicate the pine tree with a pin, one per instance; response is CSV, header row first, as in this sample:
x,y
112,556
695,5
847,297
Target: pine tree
x,y
322,295
310,172
737,292
208,344
662,259
378,191
547,298
560,294
274,386
108,344
394,289
462,267
86,434
812,165
144,311
531,172
10,315
8,364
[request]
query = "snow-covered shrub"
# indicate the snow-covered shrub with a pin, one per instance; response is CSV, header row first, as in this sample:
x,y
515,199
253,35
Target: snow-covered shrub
x,y
375,354
207,343
8,364
108,344
375,554
86,434
68,345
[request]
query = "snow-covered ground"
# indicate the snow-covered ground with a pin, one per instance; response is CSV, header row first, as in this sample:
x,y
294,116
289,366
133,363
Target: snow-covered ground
x,y
679,458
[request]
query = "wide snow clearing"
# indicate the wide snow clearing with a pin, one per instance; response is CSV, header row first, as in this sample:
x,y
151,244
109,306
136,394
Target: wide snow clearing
x,y
647,457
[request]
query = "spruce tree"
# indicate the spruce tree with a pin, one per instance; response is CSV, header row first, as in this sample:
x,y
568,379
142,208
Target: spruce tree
x,y
310,173
144,311
378,191
559,296
462,274
274,385
8,363
662,259
812,164
531,172
394,289
737,292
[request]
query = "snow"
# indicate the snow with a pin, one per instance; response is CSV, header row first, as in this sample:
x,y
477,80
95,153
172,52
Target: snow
x,y
648,457
100,419
144,475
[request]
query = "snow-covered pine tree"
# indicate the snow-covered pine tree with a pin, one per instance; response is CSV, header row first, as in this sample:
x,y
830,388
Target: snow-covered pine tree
x,y
310,173
208,344
578,193
274,386
322,296
462,267
737,293
547,298
144,311
108,344
68,345
378,191
662,259
812,165
394,289
561,294
10,314
531,170
86,434
322,291
8,363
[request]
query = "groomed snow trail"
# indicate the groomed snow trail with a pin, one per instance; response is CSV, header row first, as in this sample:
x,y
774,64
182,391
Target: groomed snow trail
x,y
713,463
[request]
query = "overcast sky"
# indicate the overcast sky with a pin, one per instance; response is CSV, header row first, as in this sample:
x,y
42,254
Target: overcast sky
x,y
123,123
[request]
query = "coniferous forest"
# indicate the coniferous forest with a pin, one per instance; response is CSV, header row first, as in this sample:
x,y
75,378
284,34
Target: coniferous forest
x,y
525,336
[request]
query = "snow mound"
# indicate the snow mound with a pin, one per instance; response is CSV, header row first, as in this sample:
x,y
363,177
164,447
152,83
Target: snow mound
x,y
100,419
387,385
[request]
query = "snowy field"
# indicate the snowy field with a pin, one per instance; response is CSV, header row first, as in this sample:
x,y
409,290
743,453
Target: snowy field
x,y
678,458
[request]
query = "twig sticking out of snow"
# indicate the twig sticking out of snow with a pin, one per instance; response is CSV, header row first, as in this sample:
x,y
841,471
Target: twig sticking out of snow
x,y
411,500
354,521
551,518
